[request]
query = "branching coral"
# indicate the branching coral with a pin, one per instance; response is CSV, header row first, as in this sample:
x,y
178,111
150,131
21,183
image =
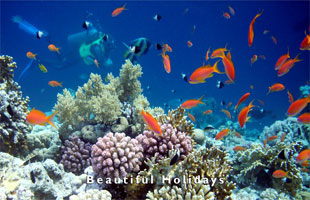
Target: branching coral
x,y
92,194
256,165
13,110
114,156
158,146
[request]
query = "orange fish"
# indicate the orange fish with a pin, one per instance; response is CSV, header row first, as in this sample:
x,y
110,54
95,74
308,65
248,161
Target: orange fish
x,y
96,63
207,112
37,117
192,103
218,52
166,61
229,67
207,54
272,138
282,60
253,59
31,55
297,106
242,99
265,32
229,55
285,68
228,82
226,15
305,44
276,88
251,32
274,39
304,118
202,73
282,137
191,117
243,114
222,134
55,83
167,48
118,11
290,97
261,102
189,43
231,10
303,156
239,148
227,113
279,174
151,122
229,104
264,143
52,47
305,163
237,134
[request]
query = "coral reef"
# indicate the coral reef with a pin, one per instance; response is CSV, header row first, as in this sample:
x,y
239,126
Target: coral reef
x,y
199,136
115,155
203,174
304,90
76,155
249,193
255,165
92,194
158,146
13,110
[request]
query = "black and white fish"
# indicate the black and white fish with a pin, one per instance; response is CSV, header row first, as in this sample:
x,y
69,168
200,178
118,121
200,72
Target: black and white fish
x,y
148,87
209,127
40,34
184,77
158,46
220,85
137,48
157,17
223,103
173,91
175,158
105,37
86,25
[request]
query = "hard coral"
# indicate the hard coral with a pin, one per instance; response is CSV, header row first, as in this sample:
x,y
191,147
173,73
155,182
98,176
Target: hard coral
x,y
159,145
92,194
13,109
76,155
115,155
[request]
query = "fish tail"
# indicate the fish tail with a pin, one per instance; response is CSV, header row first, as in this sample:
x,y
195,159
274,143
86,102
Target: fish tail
x,y
57,50
50,119
251,104
124,6
215,69
297,59
201,99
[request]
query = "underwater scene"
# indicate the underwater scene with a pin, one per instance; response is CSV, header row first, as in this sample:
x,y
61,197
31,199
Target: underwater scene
x,y
157,100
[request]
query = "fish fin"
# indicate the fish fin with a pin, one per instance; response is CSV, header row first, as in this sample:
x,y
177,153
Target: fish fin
x,y
248,118
269,90
297,59
50,119
211,75
201,97
215,69
251,104
124,6
61,84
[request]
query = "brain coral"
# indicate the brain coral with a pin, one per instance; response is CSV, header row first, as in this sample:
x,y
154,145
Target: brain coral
x,y
159,145
115,155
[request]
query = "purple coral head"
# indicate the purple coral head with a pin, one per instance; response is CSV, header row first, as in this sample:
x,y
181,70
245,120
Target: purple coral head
x,y
159,145
116,155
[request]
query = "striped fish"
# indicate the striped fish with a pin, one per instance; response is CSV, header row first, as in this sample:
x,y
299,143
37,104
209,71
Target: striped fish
x,y
137,48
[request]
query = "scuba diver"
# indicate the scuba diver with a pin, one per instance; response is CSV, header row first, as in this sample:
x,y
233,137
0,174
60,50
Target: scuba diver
x,y
90,46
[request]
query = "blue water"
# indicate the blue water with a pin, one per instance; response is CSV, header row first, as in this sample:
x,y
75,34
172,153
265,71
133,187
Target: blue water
x,y
287,21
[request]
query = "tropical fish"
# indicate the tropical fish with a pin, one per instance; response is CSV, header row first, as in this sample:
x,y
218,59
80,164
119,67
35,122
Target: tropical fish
x,y
297,106
303,156
42,68
218,52
228,55
52,47
231,10
242,99
184,77
118,11
254,59
222,134
251,31
229,104
262,57
220,85
279,174
207,112
282,60
243,114
285,68
264,143
191,117
209,127
229,67
175,158
237,134
189,43
207,55
31,55
261,102
151,122
202,73
238,148
276,88
166,62
55,84
265,32
157,17
137,48
193,28
227,113
290,97
226,15
272,138
167,48
282,137
192,103
96,63
274,39
305,44
305,163
86,25
304,118
37,117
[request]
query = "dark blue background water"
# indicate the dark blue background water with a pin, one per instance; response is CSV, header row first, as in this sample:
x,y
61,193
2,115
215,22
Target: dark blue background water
x,y
287,21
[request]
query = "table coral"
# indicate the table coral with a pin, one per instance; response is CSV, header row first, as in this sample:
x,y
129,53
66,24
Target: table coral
x,y
158,146
115,155
13,110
